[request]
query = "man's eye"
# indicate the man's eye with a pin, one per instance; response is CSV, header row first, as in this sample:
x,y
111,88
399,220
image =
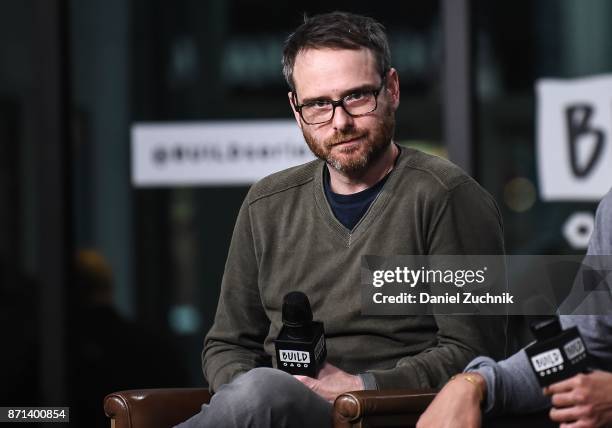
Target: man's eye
x,y
319,104
355,97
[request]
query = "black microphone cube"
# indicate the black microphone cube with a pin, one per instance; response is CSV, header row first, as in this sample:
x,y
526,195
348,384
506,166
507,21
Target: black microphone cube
x,y
559,357
304,355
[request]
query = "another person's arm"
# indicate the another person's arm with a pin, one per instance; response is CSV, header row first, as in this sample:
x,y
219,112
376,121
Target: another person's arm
x,y
457,405
586,399
509,386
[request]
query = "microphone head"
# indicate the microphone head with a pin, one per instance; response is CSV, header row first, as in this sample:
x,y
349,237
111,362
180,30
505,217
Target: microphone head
x,y
546,329
296,309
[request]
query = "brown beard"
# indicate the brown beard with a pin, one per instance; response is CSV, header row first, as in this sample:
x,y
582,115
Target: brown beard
x,y
376,142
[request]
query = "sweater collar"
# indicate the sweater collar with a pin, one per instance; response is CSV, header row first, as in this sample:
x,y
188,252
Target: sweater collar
x,y
381,201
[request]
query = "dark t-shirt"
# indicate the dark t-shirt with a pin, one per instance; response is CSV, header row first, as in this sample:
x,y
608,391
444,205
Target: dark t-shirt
x,y
349,209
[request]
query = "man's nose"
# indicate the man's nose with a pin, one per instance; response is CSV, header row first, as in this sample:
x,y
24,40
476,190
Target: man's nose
x,y
341,118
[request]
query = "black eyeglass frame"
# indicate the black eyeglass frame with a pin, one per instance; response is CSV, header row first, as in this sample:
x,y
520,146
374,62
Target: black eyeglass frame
x,y
340,102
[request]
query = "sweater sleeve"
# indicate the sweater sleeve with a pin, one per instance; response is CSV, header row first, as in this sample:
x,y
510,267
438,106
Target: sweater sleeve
x,y
511,385
601,239
466,221
234,344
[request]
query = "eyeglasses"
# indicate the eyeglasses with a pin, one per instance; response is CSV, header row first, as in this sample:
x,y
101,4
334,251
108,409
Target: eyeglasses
x,y
356,104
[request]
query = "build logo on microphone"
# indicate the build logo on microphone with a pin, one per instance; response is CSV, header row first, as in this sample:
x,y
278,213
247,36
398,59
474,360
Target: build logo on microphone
x,y
295,357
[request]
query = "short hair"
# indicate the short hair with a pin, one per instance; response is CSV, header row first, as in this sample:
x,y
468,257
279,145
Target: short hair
x,y
337,30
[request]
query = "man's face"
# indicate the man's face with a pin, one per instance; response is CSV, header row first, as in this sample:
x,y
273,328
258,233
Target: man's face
x,y
349,144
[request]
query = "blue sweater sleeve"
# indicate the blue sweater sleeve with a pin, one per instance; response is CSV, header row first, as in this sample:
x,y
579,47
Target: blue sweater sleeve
x,y
511,385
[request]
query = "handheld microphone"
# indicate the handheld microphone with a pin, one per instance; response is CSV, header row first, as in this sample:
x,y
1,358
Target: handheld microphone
x,y
300,345
557,354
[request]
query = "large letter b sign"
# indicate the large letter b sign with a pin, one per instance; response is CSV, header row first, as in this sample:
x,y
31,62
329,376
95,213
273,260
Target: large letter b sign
x,y
574,131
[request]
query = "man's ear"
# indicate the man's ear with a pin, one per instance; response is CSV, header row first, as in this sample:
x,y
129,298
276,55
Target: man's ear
x,y
295,112
393,88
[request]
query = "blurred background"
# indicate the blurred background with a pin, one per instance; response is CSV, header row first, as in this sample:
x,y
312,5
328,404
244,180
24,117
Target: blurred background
x,y
107,284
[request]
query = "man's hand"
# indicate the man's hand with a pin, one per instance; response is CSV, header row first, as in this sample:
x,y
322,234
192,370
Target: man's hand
x,y
331,382
584,400
457,405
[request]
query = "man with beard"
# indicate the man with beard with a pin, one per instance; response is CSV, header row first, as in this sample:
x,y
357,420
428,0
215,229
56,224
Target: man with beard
x,y
306,229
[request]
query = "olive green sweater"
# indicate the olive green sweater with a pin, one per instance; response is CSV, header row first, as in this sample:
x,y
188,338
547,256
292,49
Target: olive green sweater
x,y
286,238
